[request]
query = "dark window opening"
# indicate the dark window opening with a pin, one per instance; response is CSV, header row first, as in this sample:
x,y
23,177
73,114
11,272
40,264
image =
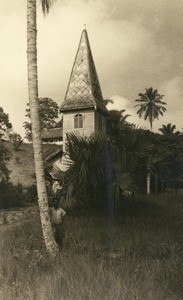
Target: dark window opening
x,y
78,121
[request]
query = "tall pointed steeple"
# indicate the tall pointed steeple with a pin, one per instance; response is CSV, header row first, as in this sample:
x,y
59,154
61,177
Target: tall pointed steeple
x,y
83,91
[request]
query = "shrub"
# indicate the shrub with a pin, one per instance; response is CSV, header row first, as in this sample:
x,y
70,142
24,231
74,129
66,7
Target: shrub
x,y
11,196
96,172
17,196
31,194
16,140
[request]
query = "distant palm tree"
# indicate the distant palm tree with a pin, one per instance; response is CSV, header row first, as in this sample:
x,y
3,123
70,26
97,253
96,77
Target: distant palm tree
x,y
151,105
169,129
34,112
149,155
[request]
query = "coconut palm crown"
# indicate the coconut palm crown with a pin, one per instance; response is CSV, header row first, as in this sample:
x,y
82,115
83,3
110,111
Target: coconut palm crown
x,y
169,129
150,105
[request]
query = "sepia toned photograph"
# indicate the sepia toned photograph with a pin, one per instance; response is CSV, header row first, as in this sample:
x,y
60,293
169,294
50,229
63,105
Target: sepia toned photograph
x,y
91,150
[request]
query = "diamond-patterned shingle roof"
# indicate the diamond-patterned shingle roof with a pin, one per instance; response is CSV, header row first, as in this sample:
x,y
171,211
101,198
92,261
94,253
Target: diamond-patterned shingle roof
x,y
83,89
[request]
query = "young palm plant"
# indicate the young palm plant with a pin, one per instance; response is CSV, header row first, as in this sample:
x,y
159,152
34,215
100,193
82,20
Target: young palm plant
x,y
150,155
123,184
94,171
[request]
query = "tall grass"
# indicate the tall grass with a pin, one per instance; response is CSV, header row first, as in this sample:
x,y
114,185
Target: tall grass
x,y
135,253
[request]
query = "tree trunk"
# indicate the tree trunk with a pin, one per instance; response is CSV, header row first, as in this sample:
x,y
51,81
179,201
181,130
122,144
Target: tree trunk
x,y
125,163
148,182
36,133
151,121
156,183
162,185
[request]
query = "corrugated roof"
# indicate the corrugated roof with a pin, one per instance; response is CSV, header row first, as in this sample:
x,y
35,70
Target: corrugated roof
x,y
83,90
52,133
53,156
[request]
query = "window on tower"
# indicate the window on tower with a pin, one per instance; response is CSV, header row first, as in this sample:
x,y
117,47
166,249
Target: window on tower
x,y
78,121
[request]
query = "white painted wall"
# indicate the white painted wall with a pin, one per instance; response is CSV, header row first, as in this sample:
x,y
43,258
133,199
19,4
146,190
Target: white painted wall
x,y
88,124
93,122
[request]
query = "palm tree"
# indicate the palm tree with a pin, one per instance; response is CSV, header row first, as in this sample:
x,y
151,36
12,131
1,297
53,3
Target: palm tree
x,y
95,172
168,130
34,111
144,154
116,121
151,105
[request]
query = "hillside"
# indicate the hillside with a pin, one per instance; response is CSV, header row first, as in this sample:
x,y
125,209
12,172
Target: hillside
x,y
21,163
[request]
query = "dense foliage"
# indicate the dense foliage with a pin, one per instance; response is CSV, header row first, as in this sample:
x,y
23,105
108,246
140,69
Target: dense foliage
x,y
4,119
95,173
107,169
48,113
4,157
16,196
16,140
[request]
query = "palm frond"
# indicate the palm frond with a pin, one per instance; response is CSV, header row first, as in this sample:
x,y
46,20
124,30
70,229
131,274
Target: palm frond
x,y
144,149
46,4
125,182
151,106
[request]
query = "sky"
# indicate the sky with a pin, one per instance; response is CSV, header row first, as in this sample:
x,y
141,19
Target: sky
x,y
136,44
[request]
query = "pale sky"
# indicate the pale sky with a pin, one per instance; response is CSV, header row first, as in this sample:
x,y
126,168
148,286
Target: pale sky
x,y
136,44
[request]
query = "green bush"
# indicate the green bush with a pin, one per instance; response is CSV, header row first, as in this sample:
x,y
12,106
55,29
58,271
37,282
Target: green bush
x,y
17,196
11,196
31,194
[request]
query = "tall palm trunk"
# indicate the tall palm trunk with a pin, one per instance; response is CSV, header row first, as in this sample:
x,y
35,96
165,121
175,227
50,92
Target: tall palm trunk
x,y
156,183
148,182
36,133
162,185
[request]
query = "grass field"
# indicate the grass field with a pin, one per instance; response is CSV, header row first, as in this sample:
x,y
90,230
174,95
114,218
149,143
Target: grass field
x,y
135,253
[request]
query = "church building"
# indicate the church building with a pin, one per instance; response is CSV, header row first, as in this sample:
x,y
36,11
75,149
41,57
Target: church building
x,y
83,108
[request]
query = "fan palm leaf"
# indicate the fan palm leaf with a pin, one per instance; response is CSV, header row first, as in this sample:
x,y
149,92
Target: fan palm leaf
x,y
122,186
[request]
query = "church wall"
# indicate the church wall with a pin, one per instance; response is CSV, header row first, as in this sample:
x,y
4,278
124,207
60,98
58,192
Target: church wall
x,y
88,124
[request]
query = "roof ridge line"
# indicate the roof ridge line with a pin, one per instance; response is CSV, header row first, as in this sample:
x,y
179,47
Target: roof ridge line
x,y
89,68
73,66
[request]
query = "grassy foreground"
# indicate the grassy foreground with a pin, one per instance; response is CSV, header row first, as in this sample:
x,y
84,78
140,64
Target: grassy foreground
x,y
136,253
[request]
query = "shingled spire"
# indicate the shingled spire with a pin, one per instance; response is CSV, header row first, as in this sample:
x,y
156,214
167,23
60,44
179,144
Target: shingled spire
x,y
83,90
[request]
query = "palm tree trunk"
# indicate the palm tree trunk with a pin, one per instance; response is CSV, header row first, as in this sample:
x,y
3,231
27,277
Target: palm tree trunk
x,y
151,126
125,162
156,183
148,182
162,185
36,133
